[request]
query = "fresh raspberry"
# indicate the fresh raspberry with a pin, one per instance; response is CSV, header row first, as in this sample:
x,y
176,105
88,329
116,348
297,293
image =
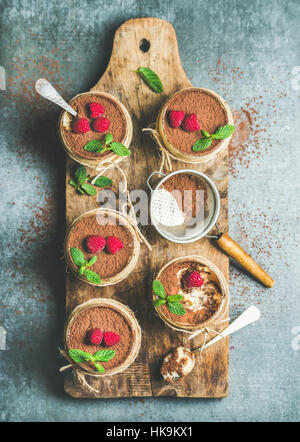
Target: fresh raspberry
x,y
80,126
101,124
111,339
176,118
96,110
190,123
95,243
113,244
194,280
95,336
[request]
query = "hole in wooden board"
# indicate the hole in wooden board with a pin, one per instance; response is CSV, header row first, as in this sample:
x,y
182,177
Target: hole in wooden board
x,y
144,45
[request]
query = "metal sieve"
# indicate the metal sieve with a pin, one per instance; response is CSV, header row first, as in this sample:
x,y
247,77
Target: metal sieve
x,y
167,217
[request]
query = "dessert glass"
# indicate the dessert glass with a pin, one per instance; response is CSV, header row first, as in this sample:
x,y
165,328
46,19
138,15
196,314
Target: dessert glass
x,y
65,122
192,157
128,316
118,218
217,316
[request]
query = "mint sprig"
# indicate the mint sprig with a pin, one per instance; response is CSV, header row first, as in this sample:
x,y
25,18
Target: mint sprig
x,y
80,356
100,146
81,181
221,133
151,79
173,302
82,264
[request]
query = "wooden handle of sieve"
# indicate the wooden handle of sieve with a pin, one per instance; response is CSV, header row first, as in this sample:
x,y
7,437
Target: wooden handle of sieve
x,y
236,252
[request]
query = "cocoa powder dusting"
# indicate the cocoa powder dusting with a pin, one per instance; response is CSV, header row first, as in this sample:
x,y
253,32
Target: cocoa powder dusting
x,y
107,265
173,284
254,120
112,112
210,115
107,319
190,202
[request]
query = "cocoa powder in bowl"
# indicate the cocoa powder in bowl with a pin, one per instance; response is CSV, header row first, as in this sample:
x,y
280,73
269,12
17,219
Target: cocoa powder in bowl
x,y
112,111
190,202
210,115
107,318
107,265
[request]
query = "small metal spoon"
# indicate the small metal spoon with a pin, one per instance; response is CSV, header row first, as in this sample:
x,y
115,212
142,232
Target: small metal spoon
x,y
185,361
46,90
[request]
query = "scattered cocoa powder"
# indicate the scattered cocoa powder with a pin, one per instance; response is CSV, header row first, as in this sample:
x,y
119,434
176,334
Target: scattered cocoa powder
x,y
107,319
107,265
191,202
173,284
210,115
112,112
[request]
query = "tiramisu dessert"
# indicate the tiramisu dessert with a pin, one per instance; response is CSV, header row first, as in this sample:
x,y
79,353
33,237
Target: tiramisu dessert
x,y
100,129
101,249
187,293
177,364
195,122
103,336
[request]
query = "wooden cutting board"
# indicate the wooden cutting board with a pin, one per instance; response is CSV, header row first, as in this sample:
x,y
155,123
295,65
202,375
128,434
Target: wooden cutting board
x,y
210,376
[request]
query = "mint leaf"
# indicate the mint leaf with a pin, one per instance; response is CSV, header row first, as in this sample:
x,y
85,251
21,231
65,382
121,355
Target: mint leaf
x,y
223,132
81,270
80,356
77,256
174,298
80,174
205,134
158,288
88,188
120,149
92,277
159,302
176,308
201,144
92,261
151,79
72,183
108,138
94,146
103,181
99,367
104,355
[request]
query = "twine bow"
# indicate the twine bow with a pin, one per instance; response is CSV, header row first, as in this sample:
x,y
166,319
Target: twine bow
x,y
77,372
165,155
202,329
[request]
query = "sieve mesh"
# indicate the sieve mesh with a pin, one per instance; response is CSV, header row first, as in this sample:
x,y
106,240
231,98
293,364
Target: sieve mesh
x,y
165,210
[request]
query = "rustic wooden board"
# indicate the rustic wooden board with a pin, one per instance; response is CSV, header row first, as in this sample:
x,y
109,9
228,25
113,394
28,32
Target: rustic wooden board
x,y
210,377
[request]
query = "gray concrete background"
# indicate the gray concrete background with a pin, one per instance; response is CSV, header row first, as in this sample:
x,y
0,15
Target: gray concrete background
x,y
246,51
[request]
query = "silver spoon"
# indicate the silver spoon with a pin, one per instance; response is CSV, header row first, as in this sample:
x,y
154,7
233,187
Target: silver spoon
x,y
46,90
181,361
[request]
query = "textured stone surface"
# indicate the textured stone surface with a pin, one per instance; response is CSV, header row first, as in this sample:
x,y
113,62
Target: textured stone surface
x,y
246,51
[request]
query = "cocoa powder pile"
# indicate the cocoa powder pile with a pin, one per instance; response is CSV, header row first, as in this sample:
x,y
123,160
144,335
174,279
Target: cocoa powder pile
x,y
112,112
192,202
107,265
107,319
210,115
172,284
